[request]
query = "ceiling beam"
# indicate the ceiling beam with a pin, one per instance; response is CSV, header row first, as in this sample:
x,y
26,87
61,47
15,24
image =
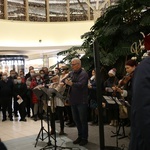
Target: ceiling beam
x,y
89,4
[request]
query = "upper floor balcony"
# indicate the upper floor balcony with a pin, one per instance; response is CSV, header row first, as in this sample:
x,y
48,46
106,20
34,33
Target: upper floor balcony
x,y
53,10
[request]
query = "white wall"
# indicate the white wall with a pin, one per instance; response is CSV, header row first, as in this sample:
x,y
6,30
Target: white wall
x,y
16,37
22,33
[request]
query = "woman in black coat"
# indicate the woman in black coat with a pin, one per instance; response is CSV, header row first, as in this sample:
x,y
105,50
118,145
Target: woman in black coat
x,y
126,91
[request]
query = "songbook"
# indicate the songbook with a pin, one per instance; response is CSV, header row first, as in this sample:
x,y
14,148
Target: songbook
x,y
109,99
117,101
125,103
44,93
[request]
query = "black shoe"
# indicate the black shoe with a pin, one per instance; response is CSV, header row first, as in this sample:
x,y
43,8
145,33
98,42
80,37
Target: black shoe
x,y
94,124
32,116
83,142
11,119
61,132
16,115
23,120
52,132
35,118
71,125
77,141
68,123
4,119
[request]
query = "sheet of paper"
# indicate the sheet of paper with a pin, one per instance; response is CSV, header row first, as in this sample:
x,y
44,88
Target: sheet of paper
x,y
109,99
20,100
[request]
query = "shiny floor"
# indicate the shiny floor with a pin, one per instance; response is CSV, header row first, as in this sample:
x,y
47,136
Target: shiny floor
x,y
18,135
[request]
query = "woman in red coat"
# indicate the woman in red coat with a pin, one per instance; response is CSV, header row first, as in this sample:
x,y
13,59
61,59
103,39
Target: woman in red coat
x,y
34,99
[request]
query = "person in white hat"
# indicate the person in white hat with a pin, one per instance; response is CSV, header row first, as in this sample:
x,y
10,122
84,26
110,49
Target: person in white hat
x,y
113,108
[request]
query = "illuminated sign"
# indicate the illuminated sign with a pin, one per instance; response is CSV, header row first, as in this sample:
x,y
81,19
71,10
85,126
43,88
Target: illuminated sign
x,y
12,62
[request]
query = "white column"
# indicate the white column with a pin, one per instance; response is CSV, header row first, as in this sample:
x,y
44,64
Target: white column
x,y
47,10
68,10
45,61
26,4
5,9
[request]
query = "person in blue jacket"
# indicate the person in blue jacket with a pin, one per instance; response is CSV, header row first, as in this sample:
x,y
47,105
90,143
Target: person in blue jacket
x,y
140,108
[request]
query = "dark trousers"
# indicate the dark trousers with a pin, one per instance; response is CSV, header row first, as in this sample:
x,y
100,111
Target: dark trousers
x,y
113,112
51,117
80,113
22,110
28,102
7,105
15,106
69,113
60,111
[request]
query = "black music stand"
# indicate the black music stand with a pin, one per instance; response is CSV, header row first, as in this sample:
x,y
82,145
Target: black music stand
x,y
111,101
42,96
121,120
42,130
49,94
49,115
115,100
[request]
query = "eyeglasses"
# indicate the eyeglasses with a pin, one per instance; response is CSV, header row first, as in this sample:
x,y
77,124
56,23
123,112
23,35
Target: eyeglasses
x,y
74,64
63,69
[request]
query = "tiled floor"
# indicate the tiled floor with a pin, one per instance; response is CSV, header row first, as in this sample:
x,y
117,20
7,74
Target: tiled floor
x,y
22,136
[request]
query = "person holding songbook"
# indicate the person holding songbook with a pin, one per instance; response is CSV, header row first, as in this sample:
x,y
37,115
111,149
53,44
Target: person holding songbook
x,y
112,108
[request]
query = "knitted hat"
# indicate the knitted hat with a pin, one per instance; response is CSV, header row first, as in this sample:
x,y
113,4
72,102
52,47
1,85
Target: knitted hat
x,y
112,71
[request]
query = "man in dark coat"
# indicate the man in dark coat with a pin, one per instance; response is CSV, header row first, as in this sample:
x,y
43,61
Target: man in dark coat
x,y
19,92
6,91
78,99
140,109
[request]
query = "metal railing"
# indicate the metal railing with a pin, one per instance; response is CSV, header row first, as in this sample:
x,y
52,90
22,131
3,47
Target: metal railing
x,y
50,11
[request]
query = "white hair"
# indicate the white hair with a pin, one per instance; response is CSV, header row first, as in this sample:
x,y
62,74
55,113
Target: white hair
x,y
77,60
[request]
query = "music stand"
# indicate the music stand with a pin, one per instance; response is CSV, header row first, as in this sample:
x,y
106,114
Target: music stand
x,y
122,103
49,94
111,101
119,102
41,96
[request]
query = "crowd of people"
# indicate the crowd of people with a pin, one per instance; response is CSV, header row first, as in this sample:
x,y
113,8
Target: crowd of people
x,y
79,103
18,88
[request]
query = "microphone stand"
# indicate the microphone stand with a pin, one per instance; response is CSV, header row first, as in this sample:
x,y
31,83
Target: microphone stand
x,y
41,132
50,112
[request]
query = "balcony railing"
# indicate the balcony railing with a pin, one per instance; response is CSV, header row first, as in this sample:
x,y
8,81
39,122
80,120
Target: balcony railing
x,y
52,10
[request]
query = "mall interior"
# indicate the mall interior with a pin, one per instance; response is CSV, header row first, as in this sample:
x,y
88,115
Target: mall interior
x,y
32,33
